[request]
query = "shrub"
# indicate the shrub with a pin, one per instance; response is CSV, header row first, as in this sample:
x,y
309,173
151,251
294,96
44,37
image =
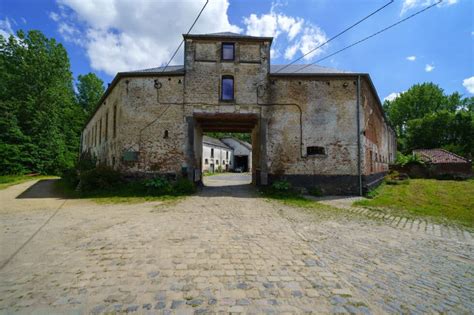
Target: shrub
x,y
86,162
70,177
282,186
99,178
184,186
158,186
315,191
403,160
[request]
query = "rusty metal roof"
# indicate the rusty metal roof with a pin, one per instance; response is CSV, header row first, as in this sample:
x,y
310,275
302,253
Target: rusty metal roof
x,y
439,156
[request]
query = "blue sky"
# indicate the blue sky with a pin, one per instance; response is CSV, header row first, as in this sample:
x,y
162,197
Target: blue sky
x,y
106,36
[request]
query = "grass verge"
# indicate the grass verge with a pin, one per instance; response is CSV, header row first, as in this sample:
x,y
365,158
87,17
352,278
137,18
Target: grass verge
x,y
445,201
127,193
10,180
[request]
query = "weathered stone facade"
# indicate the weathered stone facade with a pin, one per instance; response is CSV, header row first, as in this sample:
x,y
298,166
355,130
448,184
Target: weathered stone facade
x,y
303,123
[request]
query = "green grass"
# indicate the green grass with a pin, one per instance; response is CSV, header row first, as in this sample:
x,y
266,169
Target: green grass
x,y
445,201
10,180
126,193
292,199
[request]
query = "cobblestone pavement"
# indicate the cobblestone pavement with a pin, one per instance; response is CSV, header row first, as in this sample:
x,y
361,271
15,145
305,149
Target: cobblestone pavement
x,y
418,225
225,250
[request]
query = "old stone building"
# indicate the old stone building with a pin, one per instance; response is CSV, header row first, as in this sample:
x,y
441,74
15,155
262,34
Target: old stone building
x,y
216,155
312,126
241,152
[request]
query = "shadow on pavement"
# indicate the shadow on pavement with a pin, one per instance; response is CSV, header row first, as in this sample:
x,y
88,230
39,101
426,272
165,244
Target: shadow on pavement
x,y
45,188
238,191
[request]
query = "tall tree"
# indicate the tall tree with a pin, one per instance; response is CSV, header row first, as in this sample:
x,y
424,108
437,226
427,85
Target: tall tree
x,y
40,121
419,100
426,117
89,91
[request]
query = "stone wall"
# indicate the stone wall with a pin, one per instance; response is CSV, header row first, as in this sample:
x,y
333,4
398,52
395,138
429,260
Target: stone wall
x,y
306,129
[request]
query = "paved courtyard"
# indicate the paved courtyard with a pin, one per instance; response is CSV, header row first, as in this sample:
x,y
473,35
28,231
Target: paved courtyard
x,y
222,250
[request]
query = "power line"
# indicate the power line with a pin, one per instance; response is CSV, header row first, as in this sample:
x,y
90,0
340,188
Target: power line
x,y
182,41
336,36
370,36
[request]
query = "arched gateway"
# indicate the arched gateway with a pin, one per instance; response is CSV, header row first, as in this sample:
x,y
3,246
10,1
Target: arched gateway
x,y
313,126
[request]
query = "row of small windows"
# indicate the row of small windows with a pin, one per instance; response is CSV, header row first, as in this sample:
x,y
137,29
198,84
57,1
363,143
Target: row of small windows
x,y
94,136
224,162
226,154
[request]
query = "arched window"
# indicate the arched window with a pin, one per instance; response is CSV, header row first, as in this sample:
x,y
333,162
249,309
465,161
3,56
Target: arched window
x,y
227,88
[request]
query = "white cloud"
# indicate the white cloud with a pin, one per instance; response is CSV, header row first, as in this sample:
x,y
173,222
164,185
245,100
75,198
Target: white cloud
x,y
429,68
6,28
411,58
274,53
291,51
469,84
121,35
301,35
392,96
412,4
54,16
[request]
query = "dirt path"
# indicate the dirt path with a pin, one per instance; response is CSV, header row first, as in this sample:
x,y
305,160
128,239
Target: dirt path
x,y
227,250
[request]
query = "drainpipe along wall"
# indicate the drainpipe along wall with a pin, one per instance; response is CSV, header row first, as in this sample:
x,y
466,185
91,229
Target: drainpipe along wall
x,y
359,169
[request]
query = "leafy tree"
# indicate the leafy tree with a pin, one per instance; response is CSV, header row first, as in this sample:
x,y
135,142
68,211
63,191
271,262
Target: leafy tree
x,y
40,121
89,90
426,117
453,131
238,135
419,100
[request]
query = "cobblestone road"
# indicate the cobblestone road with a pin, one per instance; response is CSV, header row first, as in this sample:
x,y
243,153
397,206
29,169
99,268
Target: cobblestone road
x,y
224,250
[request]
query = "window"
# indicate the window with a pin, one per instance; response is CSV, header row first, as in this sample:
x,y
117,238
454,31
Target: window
x,y
223,162
100,131
115,121
106,125
206,161
165,136
227,88
227,51
226,155
212,153
315,151
217,162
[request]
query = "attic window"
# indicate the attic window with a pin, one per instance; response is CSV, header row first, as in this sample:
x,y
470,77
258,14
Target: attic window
x,y
227,51
315,151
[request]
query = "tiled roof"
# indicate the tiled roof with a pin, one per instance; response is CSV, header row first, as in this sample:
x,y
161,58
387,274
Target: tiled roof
x,y
437,156
215,142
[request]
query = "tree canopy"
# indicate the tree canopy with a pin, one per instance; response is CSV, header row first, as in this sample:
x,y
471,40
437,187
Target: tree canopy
x,y
425,117
40,118
89,90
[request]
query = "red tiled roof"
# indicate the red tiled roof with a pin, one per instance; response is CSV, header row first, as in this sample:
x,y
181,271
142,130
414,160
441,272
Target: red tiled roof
x,y
437,156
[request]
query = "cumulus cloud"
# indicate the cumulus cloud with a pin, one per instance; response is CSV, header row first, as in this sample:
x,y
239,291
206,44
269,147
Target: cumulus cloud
x,y
391,96
412,4
429,68
6,28
121,35
411,58
300,35
468,83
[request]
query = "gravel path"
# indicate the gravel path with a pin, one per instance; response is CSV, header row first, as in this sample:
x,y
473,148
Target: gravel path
x,y
222,250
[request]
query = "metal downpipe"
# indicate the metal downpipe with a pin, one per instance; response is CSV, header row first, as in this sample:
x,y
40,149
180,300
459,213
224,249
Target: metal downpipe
x,y
359,160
